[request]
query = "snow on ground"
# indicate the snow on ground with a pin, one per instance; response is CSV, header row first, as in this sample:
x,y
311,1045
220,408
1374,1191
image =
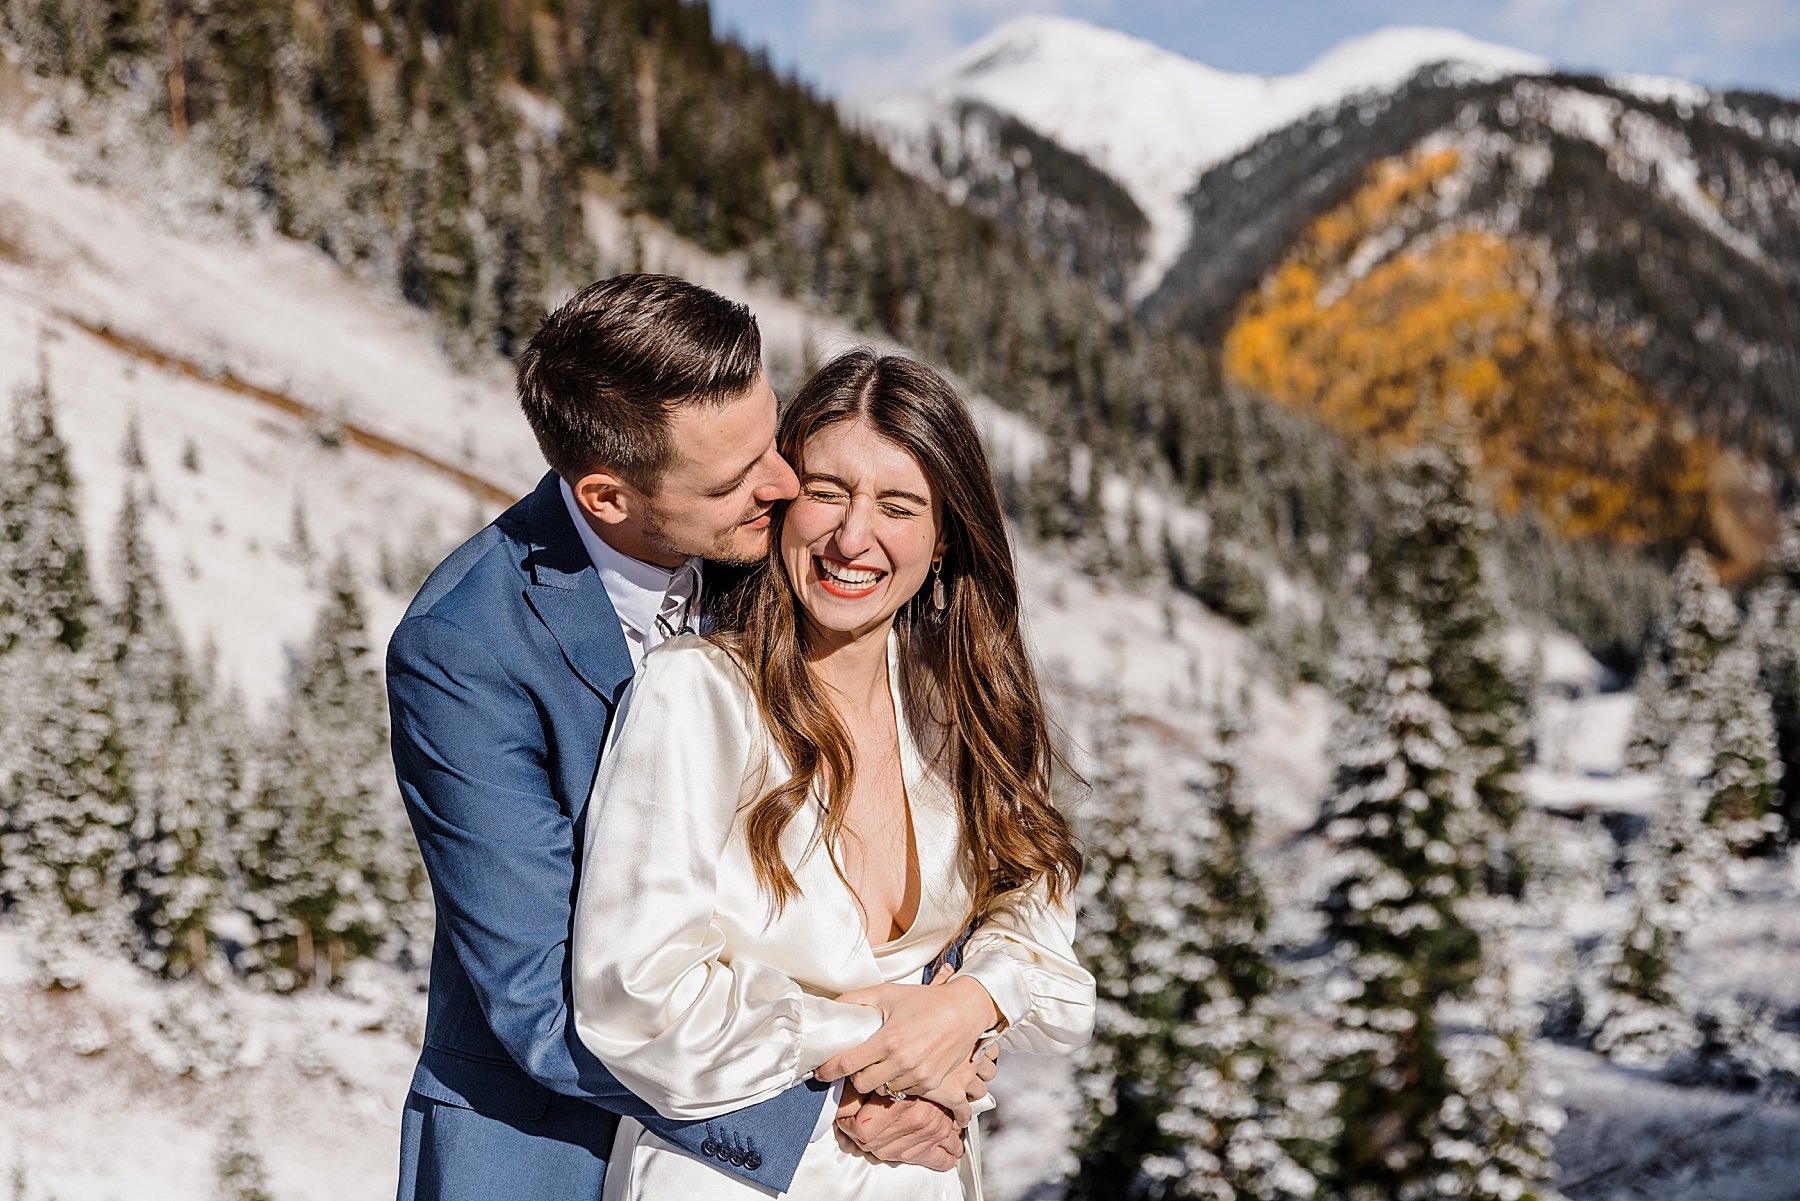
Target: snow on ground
x,y
1155,120
1630,1137
96,1105
272,311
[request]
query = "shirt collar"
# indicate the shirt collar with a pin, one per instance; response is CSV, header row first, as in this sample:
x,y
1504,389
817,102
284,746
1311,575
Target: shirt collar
x,y
636,588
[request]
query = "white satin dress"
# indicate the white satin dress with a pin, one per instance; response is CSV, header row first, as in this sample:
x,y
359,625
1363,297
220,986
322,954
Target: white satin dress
x,y
702,1000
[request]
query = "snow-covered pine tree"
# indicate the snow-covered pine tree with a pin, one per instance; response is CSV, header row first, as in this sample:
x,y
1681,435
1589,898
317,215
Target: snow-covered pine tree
x,y
64,780
1128,1074
332,862
177,878
1703,712
1701,621
1636,1009
47,593
238,1171
1236,1132
1409,838
1743,769
1498,1126
1432,560
1137,562
66,846
1773,630
1050,496
1223,580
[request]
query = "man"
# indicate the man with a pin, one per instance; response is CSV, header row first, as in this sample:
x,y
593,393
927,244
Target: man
x,y
649,402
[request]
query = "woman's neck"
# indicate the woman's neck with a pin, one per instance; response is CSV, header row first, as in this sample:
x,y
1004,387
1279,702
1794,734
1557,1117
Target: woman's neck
x,y
852,665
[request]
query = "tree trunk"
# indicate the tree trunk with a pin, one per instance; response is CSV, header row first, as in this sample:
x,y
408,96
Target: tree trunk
x,y
178,118
646,105
303,955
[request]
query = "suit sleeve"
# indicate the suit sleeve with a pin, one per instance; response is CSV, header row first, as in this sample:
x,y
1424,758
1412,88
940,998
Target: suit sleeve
x,y
690,1030
470,752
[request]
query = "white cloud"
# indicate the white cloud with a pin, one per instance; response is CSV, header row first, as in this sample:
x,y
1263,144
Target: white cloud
x,y
863,51
1713,40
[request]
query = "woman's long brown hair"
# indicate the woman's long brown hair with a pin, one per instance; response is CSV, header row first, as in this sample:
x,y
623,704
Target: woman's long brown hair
x,y
964,671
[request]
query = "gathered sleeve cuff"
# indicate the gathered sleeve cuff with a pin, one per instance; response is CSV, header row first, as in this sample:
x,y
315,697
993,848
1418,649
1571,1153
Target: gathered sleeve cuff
x,y
1024,956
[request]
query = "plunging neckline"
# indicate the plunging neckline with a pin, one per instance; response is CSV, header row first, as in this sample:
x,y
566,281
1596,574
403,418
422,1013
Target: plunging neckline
x,y
914,871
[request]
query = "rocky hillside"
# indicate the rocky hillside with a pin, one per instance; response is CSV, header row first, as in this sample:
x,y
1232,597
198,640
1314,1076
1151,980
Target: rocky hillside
x,y
1602,282
1597,281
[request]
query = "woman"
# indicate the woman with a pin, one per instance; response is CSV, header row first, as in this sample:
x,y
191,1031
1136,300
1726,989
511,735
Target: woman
x,y
814,800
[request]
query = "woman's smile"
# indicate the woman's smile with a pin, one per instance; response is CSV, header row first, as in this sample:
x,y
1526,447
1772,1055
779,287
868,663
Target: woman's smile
x,y
847,581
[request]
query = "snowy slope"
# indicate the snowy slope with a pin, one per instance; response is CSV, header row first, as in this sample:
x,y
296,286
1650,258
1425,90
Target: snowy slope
x,y
1154,119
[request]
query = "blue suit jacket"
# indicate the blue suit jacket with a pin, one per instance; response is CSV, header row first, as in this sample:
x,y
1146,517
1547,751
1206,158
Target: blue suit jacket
x,y
501,680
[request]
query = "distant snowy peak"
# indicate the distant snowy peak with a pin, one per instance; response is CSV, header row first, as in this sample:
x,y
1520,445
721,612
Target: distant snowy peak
x,y
1153,119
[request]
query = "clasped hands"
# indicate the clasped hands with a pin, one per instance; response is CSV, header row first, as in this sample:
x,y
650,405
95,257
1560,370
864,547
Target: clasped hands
x,y
908,1089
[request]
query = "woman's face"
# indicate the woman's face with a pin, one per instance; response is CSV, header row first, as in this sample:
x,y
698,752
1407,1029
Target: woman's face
x,y
859,539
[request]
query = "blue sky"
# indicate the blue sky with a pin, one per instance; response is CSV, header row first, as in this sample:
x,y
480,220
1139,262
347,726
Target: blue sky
x,y
861,49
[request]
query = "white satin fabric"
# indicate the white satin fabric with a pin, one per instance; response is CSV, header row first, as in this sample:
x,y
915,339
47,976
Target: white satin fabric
x,y
702,1000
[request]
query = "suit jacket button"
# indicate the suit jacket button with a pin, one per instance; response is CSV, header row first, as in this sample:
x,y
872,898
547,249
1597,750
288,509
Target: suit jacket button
x,y
753,1161
709,1147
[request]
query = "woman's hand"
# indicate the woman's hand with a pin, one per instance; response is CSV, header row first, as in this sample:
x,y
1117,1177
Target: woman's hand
x,y
927,1032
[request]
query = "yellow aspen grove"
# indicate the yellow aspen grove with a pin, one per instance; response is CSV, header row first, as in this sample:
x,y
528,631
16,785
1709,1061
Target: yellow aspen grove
x,y
1455,326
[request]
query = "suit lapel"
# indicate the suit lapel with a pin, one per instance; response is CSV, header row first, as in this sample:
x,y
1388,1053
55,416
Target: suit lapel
x,y
566,594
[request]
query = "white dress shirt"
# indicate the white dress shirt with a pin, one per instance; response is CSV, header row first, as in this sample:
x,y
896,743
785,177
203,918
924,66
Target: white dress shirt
x,y
640,592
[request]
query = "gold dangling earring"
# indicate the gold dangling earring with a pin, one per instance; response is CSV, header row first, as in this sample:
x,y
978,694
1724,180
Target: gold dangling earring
x,y
939,601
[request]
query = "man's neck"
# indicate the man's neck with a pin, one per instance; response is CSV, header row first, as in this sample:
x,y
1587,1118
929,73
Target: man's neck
x,y
628,540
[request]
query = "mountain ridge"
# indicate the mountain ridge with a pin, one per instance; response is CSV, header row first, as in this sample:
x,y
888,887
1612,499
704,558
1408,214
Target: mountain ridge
x,y
1103,94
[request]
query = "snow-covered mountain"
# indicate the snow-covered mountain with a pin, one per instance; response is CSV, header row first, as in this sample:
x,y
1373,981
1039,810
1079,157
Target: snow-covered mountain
x,y
1152,119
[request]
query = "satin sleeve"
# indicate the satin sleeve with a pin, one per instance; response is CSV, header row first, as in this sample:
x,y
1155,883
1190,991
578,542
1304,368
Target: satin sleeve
x,y
689,1031
1024,955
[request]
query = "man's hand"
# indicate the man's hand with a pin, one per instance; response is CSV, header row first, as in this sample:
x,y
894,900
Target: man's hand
x,y
973,1076
914,1131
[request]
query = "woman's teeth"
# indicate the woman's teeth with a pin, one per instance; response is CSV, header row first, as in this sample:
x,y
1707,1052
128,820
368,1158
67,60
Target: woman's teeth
x,y
850,577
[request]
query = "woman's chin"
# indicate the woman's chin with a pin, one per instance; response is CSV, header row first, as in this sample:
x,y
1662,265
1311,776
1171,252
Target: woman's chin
x,y
847,619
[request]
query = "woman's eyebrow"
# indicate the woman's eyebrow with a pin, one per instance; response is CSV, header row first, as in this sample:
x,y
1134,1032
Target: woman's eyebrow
x,y
821,477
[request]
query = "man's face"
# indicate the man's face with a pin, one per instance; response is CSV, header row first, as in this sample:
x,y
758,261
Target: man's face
x,y
722,479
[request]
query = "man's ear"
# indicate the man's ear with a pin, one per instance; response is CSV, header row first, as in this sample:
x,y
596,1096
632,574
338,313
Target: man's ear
x,y
604,497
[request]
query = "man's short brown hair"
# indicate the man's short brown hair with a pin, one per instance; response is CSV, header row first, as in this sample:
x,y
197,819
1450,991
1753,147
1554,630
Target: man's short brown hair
x,y
600,378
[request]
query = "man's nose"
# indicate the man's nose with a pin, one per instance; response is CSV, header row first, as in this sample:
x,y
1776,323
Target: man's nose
x,y
781,484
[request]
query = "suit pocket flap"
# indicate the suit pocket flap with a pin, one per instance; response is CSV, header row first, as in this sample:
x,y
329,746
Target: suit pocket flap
x,y
500,1090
